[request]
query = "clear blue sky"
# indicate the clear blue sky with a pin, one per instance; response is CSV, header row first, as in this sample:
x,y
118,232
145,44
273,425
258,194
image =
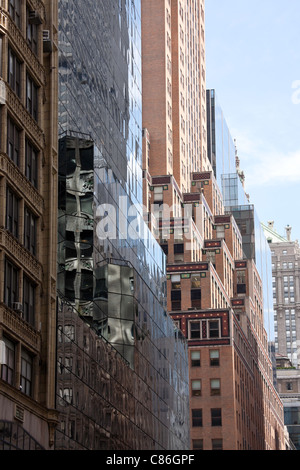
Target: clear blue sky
x,y
253,63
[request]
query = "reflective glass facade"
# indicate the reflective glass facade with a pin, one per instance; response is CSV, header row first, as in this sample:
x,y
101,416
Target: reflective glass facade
x,y
111,271
256,247
222,154
221,147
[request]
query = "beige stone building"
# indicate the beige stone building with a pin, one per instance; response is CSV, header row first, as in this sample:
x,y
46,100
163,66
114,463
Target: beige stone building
x,y
28,222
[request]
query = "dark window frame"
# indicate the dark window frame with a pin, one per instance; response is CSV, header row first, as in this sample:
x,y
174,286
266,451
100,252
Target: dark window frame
x,y
31,163
13,141
12,212
14,72
29,297
32,92
8,368
26,373
11,283
30,231
14,8
197,418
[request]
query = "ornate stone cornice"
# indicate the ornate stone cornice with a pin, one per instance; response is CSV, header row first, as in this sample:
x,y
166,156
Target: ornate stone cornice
x,y
20,255
21,183
25,119
13,322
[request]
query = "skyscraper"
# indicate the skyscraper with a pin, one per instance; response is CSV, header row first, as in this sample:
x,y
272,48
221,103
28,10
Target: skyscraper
x,y
28,223
122,372
214,289
285,284
174,90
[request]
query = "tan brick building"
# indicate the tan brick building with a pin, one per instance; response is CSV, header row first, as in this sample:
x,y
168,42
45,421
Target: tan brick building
x,y
28,222
214,294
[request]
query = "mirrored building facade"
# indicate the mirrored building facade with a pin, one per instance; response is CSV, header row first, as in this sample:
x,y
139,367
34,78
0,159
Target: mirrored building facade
x,y
123,350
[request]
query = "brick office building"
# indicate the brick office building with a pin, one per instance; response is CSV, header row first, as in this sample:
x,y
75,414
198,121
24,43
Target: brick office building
x,y
214,293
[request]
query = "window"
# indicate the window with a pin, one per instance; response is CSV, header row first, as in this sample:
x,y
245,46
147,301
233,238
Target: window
x,y
32,34
213,329
241,282
215,387
196,298
14,9
12,212
176,299
220,231
158,194
195,281
31,163
197,418
13,141
31,97
214,356
11,278
217,444
67,395
195,329
28,300
175,279
7,360
216,417
14,72
26,373
30,231
196,388
289,386
197,444
195,359
178,248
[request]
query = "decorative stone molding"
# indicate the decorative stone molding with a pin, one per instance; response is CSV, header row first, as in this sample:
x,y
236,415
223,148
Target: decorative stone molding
x,y
3,19
32,63
20,255
25,332
19,180
23,116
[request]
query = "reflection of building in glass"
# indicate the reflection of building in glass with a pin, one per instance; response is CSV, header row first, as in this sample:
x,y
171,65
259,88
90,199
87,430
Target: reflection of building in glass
x,y
111,271
220,145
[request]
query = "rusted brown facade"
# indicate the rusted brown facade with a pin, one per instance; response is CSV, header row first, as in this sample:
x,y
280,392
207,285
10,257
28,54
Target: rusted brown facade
x,y
28,222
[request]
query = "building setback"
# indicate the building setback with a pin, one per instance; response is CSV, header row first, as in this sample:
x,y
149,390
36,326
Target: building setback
x,y
28,223
215,293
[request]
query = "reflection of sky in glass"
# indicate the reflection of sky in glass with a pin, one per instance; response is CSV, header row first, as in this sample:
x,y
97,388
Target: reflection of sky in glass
x,y
235,198
224,148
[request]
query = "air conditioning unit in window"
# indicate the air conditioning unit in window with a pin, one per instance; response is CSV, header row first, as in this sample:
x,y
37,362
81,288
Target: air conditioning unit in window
x,y
47,42
34,17
18,307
